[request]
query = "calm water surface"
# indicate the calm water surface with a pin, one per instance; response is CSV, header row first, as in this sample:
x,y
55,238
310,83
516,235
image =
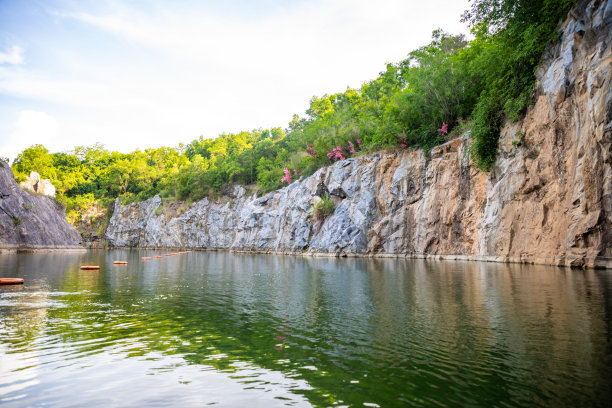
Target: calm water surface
x,y
263,331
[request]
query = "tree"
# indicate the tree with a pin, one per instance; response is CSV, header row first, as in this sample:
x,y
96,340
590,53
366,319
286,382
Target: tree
x,y
35,158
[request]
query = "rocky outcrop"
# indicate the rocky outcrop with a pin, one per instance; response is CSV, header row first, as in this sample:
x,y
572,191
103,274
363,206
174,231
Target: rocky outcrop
x,y
547,200
31,221
34,184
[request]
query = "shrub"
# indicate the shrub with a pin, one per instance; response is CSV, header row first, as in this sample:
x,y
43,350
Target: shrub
x,y
323,208
511,36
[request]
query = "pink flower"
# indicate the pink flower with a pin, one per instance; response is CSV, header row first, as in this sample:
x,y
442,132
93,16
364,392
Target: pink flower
x,y
311,151
402,141
443,129
359,143
337,153
287,177
351,148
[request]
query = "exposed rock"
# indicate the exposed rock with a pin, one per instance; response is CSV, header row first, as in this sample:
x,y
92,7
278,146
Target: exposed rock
x,y
321,190
30,221
35,184
547,200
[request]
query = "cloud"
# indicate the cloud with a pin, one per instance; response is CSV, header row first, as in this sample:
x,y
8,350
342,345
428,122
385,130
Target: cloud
x,y
92,94
13,55
316,40
32,127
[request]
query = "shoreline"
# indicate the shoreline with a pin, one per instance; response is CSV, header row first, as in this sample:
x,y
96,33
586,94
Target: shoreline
x,y
29,249
599,262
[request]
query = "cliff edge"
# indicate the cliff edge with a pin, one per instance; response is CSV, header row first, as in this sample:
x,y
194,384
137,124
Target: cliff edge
x,y
547,200
30,220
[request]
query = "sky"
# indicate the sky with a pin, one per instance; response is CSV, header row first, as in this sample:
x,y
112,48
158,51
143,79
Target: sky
x,y
138,74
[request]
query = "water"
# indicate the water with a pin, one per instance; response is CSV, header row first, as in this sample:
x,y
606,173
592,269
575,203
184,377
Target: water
x,y
265,331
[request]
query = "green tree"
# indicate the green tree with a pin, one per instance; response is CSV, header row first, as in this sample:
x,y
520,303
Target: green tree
x,y
35,158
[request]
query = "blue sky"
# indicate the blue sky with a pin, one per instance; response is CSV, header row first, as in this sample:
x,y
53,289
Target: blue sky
x,y
138,74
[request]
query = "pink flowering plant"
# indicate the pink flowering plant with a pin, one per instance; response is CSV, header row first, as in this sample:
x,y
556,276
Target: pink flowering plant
x,y
310,150
287,177
340,153
337,153
444,129
351,148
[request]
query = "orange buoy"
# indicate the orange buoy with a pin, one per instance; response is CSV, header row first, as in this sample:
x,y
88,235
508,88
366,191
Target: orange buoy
x,y
11,281
174,253
120,263
146,258
167,254
90,267
158,256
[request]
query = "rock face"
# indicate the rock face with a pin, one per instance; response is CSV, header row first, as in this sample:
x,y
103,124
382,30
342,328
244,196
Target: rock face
x,y
547,200
30,221
36,185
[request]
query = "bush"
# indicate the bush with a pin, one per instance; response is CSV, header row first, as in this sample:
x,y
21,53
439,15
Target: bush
x,y
485,131
323,208
511,36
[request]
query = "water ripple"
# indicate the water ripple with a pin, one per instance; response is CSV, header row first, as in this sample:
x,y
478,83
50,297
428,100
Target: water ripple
x,y
234,330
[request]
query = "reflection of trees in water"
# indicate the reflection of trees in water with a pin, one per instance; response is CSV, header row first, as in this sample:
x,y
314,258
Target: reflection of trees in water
x,y
385,327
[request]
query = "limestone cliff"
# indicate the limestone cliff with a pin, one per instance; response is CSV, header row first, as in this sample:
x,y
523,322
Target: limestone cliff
x,y
30,220
34,184
548,198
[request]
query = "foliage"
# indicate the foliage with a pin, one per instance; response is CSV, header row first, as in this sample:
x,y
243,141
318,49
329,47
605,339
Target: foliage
x,y
513,35
36,158
323,208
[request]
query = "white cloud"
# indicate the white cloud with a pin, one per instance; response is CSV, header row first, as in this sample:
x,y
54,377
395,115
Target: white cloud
x,y
32,127
13,55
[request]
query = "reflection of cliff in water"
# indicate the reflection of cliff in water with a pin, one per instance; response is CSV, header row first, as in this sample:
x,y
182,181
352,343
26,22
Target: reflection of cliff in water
x,y
522,333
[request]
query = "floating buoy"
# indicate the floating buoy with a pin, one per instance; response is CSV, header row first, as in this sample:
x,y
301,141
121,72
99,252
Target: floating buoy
x,y
120,263
146,258
174,253
167,254
90,267
158,256
11,281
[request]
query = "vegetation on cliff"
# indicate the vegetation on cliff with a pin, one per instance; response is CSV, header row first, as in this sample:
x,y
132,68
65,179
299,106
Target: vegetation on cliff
x,y
418,102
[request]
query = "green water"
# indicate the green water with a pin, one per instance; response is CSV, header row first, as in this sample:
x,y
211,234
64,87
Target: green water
x,y
263,331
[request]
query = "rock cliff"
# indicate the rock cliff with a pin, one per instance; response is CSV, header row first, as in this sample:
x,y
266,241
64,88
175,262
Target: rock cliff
x,y
34,184
547,200
30,220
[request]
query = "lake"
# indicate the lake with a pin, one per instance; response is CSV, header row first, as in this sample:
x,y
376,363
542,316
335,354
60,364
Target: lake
x,y
238,330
